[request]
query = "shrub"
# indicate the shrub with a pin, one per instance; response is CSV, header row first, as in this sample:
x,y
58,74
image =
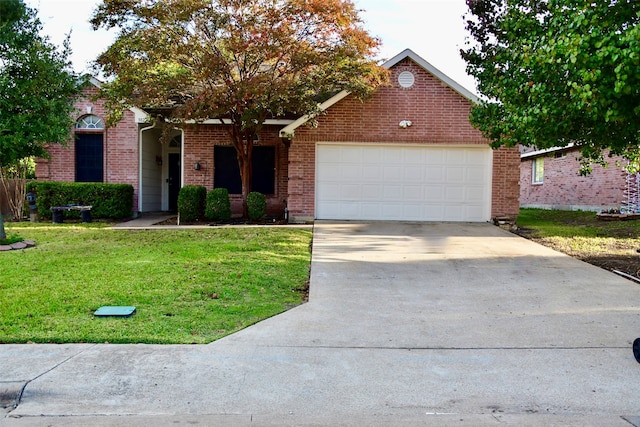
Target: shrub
x,y
218,206
108,201
257,205
191,201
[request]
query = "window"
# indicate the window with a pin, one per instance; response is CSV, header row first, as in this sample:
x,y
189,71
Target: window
x,y
89,157
227,174
89,122
538,170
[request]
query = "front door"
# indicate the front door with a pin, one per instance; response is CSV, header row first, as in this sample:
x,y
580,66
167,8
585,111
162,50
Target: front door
x,y
174,180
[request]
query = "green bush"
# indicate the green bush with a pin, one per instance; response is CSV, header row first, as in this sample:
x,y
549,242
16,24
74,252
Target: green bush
x,y
191,202
257,205
108,201
218,206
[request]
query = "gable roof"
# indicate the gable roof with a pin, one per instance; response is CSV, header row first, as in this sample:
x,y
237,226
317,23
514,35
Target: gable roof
x,y
289,131
140,115
408,53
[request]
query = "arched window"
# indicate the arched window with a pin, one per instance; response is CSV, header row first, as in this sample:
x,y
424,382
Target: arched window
x,y
89,122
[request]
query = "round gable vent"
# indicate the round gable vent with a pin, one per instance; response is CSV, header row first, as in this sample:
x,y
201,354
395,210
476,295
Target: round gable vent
x,y
406,79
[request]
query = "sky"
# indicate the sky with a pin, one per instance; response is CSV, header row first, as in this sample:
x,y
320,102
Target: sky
x,y
434,29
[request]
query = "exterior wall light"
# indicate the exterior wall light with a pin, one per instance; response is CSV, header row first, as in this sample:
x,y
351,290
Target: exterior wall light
x,y
405,124
197,166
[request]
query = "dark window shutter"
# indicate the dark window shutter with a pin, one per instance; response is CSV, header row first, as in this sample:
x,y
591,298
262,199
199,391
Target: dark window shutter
x,y
227,173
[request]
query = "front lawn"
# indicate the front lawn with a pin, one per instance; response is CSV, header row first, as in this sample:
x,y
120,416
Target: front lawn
x,y
189,286
612,245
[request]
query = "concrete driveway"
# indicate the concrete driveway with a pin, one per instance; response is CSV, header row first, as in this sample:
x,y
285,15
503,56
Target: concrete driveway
x,y
407,324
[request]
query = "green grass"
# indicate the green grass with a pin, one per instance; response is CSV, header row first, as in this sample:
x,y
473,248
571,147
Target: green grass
x,y
189,286
551,223
612,245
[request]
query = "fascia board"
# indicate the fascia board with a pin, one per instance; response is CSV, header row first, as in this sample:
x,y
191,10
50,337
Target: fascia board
x,y
290,130
545,151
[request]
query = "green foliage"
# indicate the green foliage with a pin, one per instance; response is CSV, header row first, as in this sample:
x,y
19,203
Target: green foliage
x,y
189,286
191,203
257,205
12,238
37,88
218,205
108,201
557,72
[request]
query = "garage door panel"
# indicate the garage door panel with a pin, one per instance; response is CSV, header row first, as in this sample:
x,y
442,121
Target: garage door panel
x,y
371,172
391,182
455,174
391,211
393,156
412,192
392,192
434,193
454,194
474,194
392,174
435,174
413,174
413,156
475,174
372,156
371,191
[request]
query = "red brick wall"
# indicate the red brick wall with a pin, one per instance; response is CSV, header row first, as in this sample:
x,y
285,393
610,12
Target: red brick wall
x,y
199,141
505,183
120,150
564,188
439,115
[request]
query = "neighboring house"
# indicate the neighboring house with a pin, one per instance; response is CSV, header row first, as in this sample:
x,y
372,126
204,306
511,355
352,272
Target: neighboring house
x,y
550,179
407,153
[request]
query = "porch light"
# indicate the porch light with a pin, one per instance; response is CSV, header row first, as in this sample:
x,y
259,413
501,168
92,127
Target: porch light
x,y
197,166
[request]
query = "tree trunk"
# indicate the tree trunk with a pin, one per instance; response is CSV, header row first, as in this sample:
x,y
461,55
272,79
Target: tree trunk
x,y
243,143
246,173
3,234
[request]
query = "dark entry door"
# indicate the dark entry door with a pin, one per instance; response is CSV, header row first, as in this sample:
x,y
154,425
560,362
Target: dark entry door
x,y
174,180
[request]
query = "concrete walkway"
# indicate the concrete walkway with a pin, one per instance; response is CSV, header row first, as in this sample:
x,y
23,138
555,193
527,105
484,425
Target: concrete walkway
x,y
407,324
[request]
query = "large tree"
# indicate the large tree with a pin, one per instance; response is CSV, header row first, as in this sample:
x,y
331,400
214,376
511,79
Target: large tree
x,y
238,61
37,88
555,72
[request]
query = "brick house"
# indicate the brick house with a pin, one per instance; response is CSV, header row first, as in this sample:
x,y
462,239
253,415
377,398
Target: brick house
x,y
550,179
407,153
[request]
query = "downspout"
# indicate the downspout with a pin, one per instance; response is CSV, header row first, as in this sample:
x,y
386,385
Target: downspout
x,y
140,165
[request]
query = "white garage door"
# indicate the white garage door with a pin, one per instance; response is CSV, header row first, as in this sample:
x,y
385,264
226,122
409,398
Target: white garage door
x,y
408,183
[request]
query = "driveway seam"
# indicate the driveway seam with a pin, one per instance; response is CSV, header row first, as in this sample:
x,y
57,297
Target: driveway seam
x,y
333,347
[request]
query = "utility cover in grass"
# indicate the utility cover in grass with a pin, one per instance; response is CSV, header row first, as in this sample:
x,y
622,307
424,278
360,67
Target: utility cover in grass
x,y
115,311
